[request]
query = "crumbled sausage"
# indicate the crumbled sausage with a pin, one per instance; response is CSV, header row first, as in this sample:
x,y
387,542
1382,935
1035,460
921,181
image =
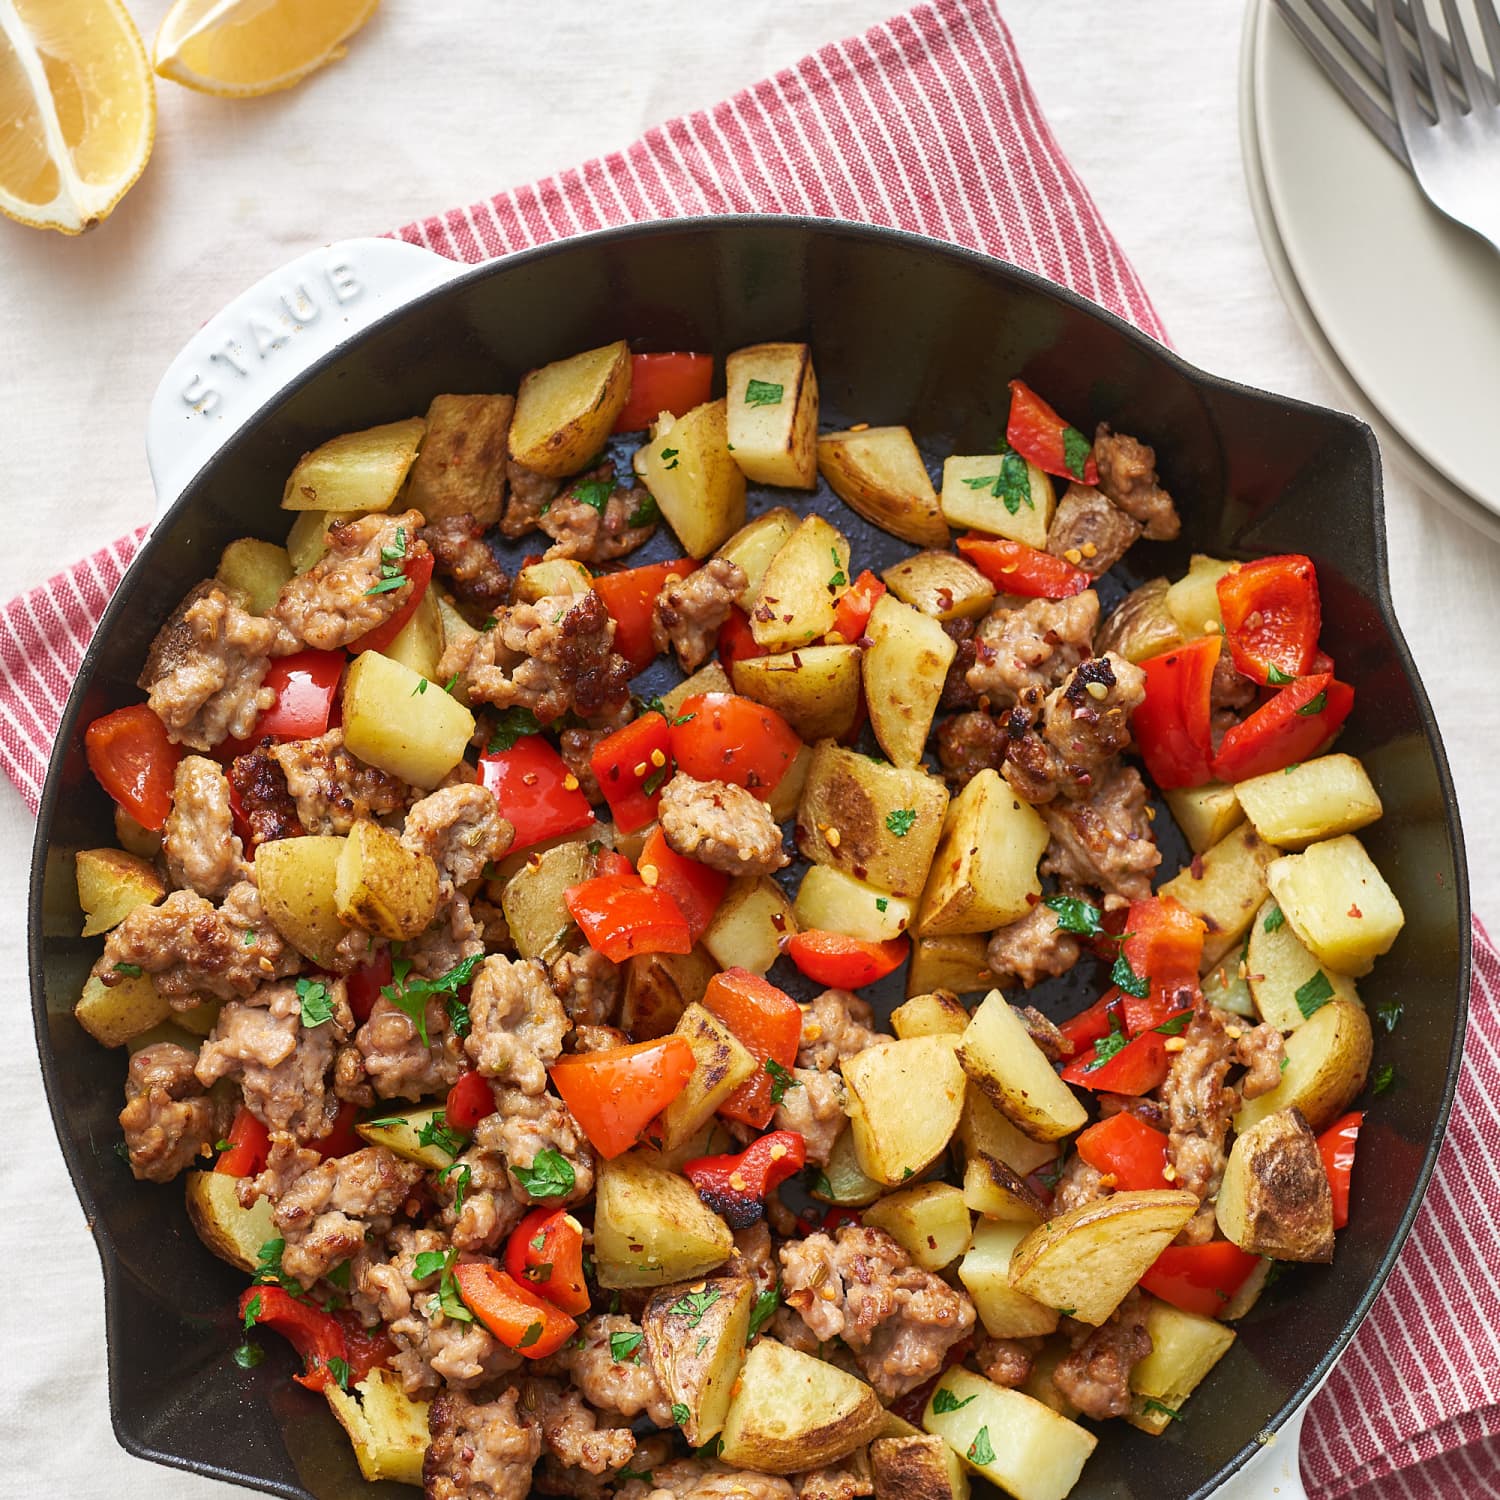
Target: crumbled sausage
x,y
1032,948
453,937
1089,532
333,789
517,1022
624,1387
1127,474
202,850
1106,842
835,1024
463,557
969,743
595,520
168,1120
689,611
721,825
1095,1376
848,1479
813,1106
573,1433
1262,1052
957,695
1078,1183
577,744
1021,654
530,494
1199,1108
479,1452
260,784
705,1479
460,829
1007,1362
523,1126
588,985
394,1059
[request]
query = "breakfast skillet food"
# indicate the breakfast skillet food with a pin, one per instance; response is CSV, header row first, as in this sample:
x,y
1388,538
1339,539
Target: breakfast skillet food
x,y
451,953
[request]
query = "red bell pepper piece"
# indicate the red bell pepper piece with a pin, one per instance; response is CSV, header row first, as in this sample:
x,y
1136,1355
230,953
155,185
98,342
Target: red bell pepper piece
x,y
735,1187
1137,1068
249,1146
1036,432
342,1138
846,963
621,915
697,890
723,737
767,1022
516,1316
1288,729
1272,616
306,685
664,382
363,985
545,1255
630,597
369,1348
614,1094
531,784
133,760
1129,1149
418,570
612,862
853,608
1172,726
1336,1145
316,1335
1199,1278
1015,568
1097,1021
470,1100
627,763
837,1217
737,641
1164,944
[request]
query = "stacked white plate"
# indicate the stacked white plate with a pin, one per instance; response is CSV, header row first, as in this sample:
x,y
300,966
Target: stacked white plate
x,y
1401,306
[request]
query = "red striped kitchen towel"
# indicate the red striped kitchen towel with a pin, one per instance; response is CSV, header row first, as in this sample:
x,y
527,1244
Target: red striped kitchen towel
x,y
927,122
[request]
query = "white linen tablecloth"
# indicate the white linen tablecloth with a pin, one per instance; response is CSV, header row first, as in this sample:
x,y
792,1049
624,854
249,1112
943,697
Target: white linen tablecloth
x,y
438,105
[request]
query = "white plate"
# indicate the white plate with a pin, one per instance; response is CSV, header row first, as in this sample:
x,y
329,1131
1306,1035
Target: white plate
x,y
1402,307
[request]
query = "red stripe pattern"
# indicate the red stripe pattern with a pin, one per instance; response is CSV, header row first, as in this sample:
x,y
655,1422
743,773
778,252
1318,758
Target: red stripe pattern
x,y
927,123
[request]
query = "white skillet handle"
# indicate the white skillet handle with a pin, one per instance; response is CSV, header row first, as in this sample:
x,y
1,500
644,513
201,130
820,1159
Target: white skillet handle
x,y
1275,1473
266,337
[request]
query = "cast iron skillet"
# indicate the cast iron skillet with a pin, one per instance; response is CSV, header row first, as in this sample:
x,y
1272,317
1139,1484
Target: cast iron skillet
x,y
903,330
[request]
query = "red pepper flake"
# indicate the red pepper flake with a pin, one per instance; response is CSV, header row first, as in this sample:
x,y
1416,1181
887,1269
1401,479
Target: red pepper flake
x,y
1197,867
1356,913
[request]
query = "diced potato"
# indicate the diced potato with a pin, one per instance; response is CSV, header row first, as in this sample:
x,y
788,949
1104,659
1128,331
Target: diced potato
x,y
381,886
917,1467
880,474
112,1014
711,1140
134,839
693,477
1318,799
747,929
1338,903
997,1191
1038,1384
419,644
111,884
941,584
461,468
564,411
695,1342
1026,1448
651,1228
929,1220
1184,1348
1278,968
256,571
905,1098
307,541
1205,813
834,902
200,1019
532,899
1327,1061
984,872
787,792
1275,1199
754,545
791,1412
402,1132
298,880
552,576
1227,984
356,471
984,1131
850,809
999,1055
418,737
999,494
985,1273
772,396
723,1064
1227,891
936,1014
711,678
1083,1261
659,987
1248,1294
957,962
387,1427
815,689
233,1233
794,605
1193,601
1140,626
905,666
843,1180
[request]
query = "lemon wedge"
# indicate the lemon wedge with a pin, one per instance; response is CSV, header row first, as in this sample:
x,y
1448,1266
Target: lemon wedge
x,y
238,48
77,110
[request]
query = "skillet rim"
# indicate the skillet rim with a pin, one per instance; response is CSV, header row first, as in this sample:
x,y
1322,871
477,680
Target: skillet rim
x,y
921,245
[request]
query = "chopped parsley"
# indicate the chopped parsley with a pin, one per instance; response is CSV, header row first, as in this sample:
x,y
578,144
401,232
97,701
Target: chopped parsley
x,y
439,1263
944,1400
316,1002
248,1355
550,1175
781,1080
1275,920
623,1345
1385,1077
410,996
437,1132
680,1414
268,1271
252,1312
421,687
1315,706
763,393
645,512
694,1305
511,726
821,1186
130,971
1390,1013
594,492
339,1369
1128,980
1076,450
1174,1025
1277,678
459,1020
1109,1046
429,1263
538,1242
1314,995
881,903
652,784
461,1174
1076,916
980,1452
766,1304
339,1276
1012,485
642,1474
900,819
392,566
838,580
532,1334
666,454
1151,1404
